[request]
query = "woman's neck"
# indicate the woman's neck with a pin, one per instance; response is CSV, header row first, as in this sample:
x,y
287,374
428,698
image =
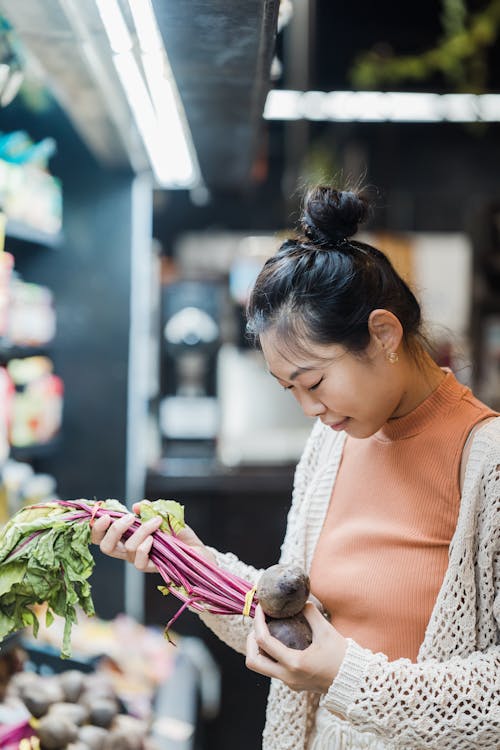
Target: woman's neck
x,y
423,377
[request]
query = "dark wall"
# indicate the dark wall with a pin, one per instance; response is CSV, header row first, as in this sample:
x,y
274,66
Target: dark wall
x,y
429,177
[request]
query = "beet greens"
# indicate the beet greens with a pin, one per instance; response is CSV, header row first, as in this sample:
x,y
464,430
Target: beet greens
x,y
45,558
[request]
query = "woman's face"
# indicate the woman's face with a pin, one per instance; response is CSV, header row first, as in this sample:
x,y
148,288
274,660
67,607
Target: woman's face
x,y
355,393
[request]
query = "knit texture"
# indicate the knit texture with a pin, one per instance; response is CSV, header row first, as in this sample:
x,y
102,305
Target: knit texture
x,y
450,698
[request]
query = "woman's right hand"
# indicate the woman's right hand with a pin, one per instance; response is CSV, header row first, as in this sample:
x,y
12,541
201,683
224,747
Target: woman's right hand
x,y
108,535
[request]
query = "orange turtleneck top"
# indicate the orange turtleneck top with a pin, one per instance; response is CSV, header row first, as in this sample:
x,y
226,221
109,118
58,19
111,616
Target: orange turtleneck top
x,y
383,549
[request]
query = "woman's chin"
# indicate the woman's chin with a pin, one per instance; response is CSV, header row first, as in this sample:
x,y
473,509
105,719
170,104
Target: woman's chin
x,y
360,431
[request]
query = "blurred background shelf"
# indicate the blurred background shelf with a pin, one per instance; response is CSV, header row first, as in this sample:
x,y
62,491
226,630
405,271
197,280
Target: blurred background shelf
x,y
12,351
36,451
19,231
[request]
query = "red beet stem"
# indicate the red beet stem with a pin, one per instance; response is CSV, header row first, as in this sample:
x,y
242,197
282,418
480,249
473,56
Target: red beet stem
x,y
187,574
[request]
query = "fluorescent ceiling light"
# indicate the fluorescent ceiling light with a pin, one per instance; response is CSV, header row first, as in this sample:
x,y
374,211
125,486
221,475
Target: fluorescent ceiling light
x,y
156,105
489,107
163,90
283,105
145,24
115,26
380,106
461,107
168,111
408,107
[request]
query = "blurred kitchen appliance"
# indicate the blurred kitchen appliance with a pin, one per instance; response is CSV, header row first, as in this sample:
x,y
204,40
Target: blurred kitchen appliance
x,y
260,423
191,338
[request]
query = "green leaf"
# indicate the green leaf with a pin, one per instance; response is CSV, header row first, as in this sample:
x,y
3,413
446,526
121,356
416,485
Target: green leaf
x,y
170,510
165,590
45,558
12,573
5,625
112,504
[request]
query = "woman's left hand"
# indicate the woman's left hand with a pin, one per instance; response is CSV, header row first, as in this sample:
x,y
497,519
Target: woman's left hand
x,y
313,669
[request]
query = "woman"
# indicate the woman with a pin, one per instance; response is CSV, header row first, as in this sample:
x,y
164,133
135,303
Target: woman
x,y
395,511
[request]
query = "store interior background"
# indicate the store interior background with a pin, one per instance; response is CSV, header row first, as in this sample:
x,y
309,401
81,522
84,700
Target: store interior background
x,y
186,410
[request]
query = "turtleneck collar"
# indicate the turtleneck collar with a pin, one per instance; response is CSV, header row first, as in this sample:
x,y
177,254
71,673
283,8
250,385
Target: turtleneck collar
x,y
435,406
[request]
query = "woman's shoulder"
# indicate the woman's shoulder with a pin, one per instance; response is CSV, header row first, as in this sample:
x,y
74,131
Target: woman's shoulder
x,y
482,455
487,434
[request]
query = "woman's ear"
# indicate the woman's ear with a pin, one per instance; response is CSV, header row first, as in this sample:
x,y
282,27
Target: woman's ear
x,y
385,330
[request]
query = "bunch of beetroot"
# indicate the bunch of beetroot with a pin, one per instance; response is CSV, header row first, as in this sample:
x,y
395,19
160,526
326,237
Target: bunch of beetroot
x,y
45,559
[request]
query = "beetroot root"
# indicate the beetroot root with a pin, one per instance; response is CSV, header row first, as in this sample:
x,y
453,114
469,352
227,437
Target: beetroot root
x,y
294,632
282,590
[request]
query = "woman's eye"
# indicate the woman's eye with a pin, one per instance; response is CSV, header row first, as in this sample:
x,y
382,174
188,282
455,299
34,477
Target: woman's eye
x,y
287,387
313,387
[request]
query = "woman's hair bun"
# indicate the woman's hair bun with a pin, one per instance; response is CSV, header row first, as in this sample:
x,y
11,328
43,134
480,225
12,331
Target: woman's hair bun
x,y
331,215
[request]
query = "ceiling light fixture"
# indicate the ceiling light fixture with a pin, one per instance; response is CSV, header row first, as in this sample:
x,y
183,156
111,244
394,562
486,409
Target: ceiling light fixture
x,y
116,29
145,24
164,94
381,106
156,109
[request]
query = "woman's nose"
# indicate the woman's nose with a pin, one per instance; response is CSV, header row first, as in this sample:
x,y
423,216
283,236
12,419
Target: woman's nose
x,y
311,406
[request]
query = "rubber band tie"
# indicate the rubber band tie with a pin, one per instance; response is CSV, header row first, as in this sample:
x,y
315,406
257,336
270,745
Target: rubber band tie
x,y
96,507
248,601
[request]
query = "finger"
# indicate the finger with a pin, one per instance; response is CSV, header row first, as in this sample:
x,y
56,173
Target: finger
x,y
99,528
142,533
258,661
136,507
274,648
188,536
322,629
142,561
316,619
113,536
316,602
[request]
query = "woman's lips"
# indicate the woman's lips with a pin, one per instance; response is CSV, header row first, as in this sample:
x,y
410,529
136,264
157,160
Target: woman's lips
x,y
340,425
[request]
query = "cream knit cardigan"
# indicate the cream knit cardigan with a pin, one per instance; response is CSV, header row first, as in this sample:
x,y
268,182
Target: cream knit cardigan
x,y
450,698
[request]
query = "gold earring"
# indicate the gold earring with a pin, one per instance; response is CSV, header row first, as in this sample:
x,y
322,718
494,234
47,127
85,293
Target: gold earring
x,y
393,357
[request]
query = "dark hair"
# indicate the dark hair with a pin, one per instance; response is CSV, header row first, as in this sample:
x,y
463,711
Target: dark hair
x,y
322,286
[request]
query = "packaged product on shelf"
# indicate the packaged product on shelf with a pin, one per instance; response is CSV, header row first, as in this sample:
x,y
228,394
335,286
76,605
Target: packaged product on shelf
x,y
6,266
39,488
31,196
12,479
6,397
20,486
37,402
31,317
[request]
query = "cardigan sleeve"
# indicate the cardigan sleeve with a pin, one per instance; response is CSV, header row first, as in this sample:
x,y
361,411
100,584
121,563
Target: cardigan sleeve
x,y
453,701
453,704
234,629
